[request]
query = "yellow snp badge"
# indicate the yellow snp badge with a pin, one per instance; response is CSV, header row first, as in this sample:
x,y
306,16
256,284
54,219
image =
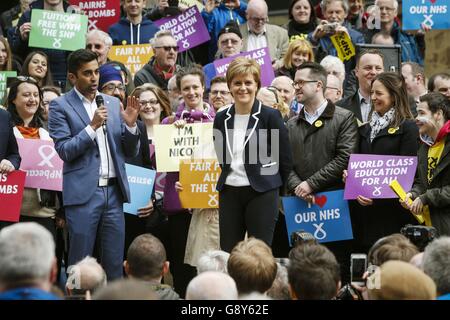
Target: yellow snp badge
x,y
392,130
318,123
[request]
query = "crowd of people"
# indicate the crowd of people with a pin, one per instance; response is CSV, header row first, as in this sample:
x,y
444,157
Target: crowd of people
x,y
292,138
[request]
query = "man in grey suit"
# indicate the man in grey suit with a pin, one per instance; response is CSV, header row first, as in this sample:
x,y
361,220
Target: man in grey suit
x,y
257,33
93,137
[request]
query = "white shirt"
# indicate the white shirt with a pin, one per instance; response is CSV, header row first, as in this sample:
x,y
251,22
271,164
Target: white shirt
x,y
365,107
238,176
311,118
256,41
107,169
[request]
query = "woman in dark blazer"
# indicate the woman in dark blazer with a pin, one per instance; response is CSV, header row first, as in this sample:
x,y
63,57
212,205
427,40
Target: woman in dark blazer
x,y
391,130
252,146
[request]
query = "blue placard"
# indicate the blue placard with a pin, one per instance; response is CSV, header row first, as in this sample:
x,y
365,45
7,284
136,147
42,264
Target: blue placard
x,y
141,182
328,219
433,13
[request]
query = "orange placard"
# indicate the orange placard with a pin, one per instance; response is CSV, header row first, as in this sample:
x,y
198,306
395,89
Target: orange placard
x,y
134,57
199,178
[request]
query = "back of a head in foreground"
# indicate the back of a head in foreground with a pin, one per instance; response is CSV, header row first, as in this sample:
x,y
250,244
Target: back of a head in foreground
x,y
436,263
27,253
252,266
213,260
126,289
212,285
393,247
91,275
399,280
313,272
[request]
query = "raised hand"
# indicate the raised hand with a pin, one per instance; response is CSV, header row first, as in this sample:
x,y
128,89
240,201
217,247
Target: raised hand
x,y
131,113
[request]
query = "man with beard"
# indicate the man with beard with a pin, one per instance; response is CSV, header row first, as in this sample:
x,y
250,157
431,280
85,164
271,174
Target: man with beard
x,y
163,64
111,82
322,137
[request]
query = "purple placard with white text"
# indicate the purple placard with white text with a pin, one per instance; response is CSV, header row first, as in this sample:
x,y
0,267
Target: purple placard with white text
x,y
41,163
369,175
188,28
261,56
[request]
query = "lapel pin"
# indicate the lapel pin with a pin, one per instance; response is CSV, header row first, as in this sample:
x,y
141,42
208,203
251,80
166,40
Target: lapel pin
x,y
318,123
392,130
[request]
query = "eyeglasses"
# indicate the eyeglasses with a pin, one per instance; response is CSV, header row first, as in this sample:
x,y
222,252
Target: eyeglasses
x,y
25,78
152,102
300,83
337,89
222,93
167,48
112,87
259,20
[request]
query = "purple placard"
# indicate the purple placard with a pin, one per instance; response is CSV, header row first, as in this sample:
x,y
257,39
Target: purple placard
x,y
41,163
261,56
188,28
369,175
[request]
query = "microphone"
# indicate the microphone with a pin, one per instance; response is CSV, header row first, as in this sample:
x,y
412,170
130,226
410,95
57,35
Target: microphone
x,y
101,103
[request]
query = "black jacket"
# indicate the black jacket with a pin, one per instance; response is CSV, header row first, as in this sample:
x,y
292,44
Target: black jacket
x,y
273,160
8,142
385,216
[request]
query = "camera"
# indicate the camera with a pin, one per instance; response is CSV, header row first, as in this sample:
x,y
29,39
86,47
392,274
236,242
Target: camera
x,y
330,28
301,237
419,235
347,292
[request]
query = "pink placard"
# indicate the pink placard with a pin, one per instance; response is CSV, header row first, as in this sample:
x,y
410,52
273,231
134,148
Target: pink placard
x,y
11,192
41,163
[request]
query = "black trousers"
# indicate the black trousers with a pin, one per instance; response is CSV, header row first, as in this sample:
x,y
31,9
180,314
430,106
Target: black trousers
x,y
243,209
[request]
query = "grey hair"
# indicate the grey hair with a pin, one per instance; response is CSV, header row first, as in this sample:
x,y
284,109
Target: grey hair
x,y
213,260
92,275
102,35
436,263
331,61
212,285
394,2
257,4
159,35
27,252
325,3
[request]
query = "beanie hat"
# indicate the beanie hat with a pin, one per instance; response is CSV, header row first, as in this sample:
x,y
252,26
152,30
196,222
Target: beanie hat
x,y
231,27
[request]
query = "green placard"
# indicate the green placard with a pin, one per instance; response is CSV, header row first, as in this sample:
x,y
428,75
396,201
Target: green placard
x,y
58,30
4,75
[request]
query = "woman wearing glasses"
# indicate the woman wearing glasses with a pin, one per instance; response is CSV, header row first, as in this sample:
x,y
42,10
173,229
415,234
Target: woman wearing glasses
x,y
24,105
391,130
36,66
255,157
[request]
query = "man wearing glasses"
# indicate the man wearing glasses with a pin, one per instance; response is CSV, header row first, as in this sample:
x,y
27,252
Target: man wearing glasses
x,y
257,33
163,65
111,82
220,95
322,137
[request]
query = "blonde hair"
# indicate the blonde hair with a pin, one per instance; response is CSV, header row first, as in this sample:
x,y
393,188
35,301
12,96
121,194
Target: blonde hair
x,y
244,66
302,45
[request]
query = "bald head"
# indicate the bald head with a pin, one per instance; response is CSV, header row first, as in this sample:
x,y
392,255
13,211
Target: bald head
x,y
212,285
285,88
257,15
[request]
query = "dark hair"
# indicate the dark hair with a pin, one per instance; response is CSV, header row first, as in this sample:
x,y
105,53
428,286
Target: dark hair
x,y
55,90
369,51
316,71
395,85
437,101
393,247
146,256
431,81
218,79
312,16
12,95
48,79
313,272
78,58
191,69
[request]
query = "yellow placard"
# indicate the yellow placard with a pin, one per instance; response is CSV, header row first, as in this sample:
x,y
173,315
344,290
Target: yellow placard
x,y
344,46
193,141
199,179
134,57
191,3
